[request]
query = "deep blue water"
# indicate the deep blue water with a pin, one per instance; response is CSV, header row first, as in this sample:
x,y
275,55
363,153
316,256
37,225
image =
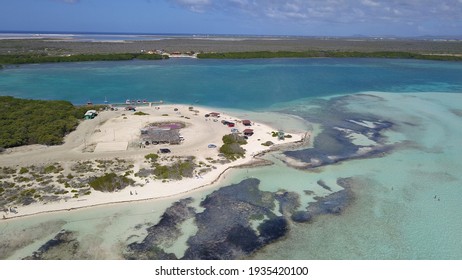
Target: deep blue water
x,y
243,84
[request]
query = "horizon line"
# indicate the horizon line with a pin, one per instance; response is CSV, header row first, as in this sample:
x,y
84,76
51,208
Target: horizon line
x,y
389,36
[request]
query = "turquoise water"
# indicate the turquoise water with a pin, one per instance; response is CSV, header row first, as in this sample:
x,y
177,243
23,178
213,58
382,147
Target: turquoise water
x,y
243,84
406,203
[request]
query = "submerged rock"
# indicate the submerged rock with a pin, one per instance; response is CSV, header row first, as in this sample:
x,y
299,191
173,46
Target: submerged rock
x,y
162,234
301,217
226,228
64,246
335,203
323,184
288,202
225,231
335,143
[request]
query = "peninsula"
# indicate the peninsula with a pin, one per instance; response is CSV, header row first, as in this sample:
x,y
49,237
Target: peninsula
x,y
132,153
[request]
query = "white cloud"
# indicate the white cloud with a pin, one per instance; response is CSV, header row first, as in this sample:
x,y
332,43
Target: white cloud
x,y
370,3
194,5
333,10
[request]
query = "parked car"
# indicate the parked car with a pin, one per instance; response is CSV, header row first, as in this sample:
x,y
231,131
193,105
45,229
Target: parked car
x,y
164,151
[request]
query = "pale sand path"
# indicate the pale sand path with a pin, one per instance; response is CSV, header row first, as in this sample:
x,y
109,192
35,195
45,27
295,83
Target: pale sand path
x,y
113,126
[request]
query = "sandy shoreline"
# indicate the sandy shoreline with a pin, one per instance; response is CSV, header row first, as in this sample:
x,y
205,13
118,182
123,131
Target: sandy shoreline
x,y
110,128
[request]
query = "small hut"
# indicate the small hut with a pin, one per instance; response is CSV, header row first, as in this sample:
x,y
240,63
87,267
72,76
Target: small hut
x,y
248,132
161,136
247,122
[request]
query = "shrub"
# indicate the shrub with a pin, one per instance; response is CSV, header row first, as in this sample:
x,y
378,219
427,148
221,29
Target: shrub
x,y
52,169
267,143
23,170
175,171
151,157
234,138
29,192
110,182
231,148
232,151
139,113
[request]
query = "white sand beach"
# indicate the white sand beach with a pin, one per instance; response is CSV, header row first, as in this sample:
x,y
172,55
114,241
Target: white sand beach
x,y
116,135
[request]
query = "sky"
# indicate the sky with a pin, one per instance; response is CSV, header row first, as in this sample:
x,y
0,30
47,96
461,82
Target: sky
x,y
247,17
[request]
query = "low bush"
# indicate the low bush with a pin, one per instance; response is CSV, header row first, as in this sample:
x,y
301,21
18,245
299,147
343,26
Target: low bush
x,y
110,182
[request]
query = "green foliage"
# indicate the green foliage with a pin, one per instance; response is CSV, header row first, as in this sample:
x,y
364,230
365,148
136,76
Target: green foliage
x,y
23,170
110,182
337,54
231,148
8,170
52,169
2,189
175,171
267,143
234,138
151,157
26,122
43,58
151,56
139,113
29,192
232,151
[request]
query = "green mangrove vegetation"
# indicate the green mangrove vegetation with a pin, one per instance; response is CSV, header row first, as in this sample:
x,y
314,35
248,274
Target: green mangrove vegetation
x,y
45,58
26,122
332,54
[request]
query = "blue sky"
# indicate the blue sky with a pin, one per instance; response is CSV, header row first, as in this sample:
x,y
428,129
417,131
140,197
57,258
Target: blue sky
x,y
258,17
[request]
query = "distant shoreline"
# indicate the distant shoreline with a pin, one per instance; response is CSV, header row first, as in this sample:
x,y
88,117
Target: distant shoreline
x,y
297,47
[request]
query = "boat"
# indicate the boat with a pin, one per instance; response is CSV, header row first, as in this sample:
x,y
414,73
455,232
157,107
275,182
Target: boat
x,y
127,101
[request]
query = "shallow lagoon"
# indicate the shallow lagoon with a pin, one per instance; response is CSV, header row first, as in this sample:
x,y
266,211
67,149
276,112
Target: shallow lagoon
x,y
405,202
